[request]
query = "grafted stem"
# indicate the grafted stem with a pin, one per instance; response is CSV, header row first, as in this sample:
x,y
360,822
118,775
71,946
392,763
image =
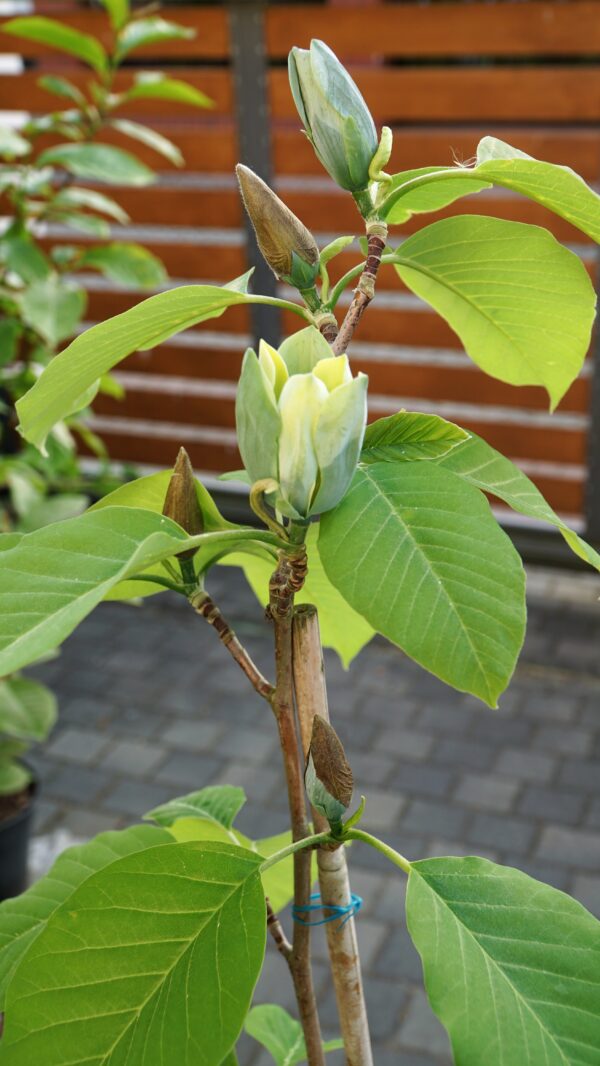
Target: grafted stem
x,y
365,290
311,699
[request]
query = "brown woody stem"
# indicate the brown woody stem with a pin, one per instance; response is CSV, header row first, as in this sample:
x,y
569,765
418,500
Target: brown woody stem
x,y
205,606
365,290
285,581
276,930
311,699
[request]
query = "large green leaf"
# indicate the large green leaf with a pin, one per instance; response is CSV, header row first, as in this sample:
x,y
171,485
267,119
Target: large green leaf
x,y
155,86
281,1034
153,30
419,554
52,578
27,708
153,959
558,188
55,34
23,918
512,966
217,803
410,435
125,263
481,465
98,162
58,390
342,628
522,305
149,137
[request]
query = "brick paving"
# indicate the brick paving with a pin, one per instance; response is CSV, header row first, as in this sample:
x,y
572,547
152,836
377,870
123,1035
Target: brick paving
x,y
151,707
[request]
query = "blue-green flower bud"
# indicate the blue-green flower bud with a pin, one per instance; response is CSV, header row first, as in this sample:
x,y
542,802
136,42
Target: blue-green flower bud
x,y
303,431
336,118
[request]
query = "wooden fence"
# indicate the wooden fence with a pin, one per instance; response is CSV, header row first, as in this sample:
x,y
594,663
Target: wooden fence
x,y
442,74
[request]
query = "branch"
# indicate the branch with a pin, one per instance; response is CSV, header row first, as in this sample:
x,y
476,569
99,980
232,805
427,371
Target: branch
x,y
276,930
311,699
365,290
205,606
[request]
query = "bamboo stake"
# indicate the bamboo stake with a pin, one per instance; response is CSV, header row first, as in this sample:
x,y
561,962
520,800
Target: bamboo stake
x,y
334,884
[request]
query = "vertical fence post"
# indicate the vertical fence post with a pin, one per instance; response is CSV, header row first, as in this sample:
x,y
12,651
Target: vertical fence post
x,y
592,494
250,68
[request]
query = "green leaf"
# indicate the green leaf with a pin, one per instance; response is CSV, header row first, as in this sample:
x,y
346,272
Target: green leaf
x,y
422,558
28,709
14,777
83,223
62,87
133,948
512,966
147,31
150,138
12,145
342,628
118,12
57,391
522,305
23,256
99,162
53,308
281,1034
74,196
51,579
58,35
23,918
154,86
128,264
407,196
50,509
481,465
409,435
231,1059
10,332
217,803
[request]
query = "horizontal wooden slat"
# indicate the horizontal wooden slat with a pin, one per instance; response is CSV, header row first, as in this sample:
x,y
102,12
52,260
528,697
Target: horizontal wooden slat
x,y
531,441
565,496
440,29
209,22
461,384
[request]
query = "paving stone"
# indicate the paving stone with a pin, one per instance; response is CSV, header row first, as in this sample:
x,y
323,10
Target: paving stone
x,y
489,830
555,804
185,770
383,809
77,785
421,1029
399,958
440,846
525,765
405,742
136,798
251,745
77,745
447,718
45,814
586,889
548,872
421,780
195,736
593,816
471,754
486,792
86,711
491,727
579,774
133,757
551,706
85,824
564,741
570,847
430,818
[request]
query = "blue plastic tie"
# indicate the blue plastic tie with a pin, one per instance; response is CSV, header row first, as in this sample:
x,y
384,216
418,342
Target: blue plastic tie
x,y
335,912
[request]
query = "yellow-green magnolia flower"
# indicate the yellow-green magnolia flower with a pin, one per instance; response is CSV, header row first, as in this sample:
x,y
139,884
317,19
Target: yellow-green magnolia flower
x,y
336,118
302,430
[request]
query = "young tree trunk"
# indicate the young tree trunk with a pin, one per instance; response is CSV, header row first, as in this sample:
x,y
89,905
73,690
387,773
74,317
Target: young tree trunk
x,y
311,699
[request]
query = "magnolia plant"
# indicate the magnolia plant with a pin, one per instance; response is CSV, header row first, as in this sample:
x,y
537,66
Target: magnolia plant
x,y
44,186
144,946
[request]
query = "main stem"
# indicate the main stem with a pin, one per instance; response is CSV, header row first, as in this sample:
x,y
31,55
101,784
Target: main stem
x,y
365,290
283,584
311,699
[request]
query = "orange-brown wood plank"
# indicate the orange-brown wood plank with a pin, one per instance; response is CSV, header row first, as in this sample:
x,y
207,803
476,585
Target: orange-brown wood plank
x,y
563,93
440,29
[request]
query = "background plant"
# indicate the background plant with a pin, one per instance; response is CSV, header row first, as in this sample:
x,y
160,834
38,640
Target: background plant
x,y
145,945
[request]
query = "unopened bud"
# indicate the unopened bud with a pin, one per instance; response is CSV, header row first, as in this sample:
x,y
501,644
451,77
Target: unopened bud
x,y
181,502
328,778
287,246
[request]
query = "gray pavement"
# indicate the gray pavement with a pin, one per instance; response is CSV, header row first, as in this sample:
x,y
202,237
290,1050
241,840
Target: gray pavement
x,y
152,707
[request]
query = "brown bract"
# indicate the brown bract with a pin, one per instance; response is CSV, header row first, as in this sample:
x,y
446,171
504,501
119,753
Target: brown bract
x,y
330,762
181,502
278,231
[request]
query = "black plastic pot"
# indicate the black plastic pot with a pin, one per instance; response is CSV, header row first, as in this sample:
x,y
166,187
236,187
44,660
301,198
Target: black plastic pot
x,y
15,834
